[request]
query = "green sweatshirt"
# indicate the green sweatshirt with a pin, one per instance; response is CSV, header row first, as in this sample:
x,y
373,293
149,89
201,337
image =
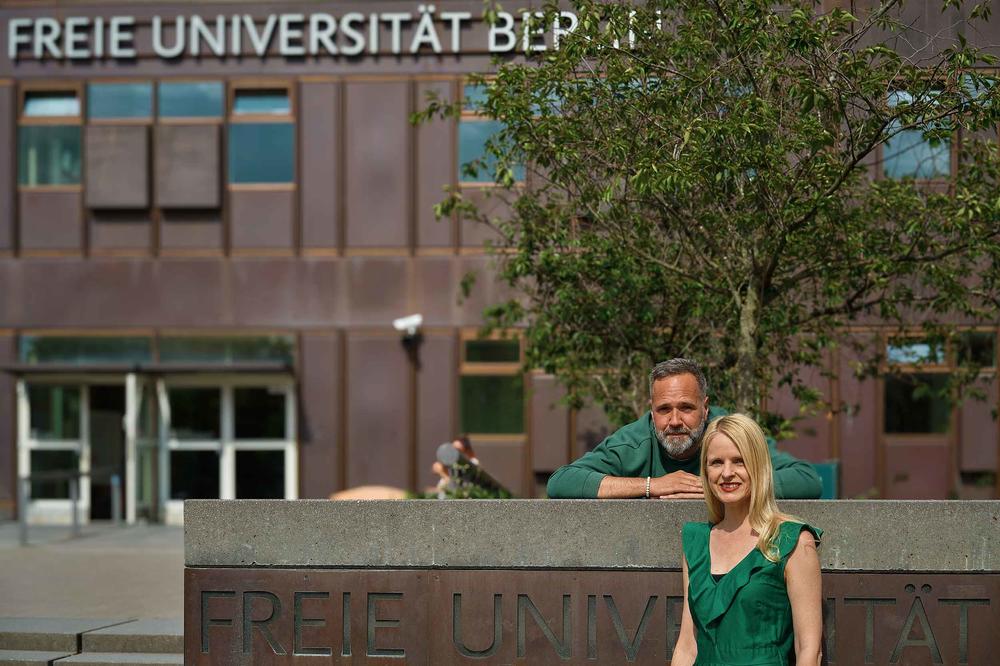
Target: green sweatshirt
x,y
634,451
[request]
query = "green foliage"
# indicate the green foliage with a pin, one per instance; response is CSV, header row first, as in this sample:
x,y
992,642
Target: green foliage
x,y
709,192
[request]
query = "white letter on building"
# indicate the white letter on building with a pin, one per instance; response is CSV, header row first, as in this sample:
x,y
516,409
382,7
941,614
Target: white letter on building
x,y
14,36
75,38
260,41
158,48
557,27
289,31
395,21
357,38
121,36
199,30
426,32
456,19
321,29
47,38
506,29
531,23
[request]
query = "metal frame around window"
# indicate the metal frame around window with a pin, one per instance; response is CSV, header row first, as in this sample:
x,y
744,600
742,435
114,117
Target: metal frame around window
x,y
227,445
940,182
466,368
235,85
51,510
22,120
127,120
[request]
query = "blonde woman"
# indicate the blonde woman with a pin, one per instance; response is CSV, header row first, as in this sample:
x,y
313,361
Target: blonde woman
x,y
751,573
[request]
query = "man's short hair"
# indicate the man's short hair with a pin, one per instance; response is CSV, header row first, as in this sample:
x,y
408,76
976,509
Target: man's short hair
x,y
678,366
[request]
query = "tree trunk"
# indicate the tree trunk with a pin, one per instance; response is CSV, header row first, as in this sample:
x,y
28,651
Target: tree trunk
x,y
745,384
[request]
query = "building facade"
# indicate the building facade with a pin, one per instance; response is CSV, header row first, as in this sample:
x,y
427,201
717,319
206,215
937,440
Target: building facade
x,y
211,215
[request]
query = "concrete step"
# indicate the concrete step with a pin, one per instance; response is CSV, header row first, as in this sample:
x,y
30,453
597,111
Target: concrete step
x,y
50,634
30,657
148,636
123,659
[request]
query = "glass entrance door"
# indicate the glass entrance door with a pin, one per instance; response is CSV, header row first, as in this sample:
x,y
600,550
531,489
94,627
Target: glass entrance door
x,y
107,449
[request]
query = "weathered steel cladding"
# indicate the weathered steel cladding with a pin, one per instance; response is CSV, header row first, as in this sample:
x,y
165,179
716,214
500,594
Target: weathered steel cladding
x,y
452,616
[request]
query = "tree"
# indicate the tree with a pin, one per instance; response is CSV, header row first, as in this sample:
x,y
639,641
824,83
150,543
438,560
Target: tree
x,y
702,182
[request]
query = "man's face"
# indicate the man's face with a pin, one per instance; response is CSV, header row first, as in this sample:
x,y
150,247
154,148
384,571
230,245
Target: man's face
x,y
679,414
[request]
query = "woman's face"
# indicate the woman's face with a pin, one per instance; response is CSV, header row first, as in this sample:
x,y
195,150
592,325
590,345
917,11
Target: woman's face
x,y
728,478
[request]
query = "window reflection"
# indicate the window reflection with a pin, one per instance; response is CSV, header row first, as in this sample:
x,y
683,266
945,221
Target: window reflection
x,y
259,413
195,413
260,474
55,411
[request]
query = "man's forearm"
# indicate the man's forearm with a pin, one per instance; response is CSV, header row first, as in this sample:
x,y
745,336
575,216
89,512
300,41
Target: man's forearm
x,y
620,487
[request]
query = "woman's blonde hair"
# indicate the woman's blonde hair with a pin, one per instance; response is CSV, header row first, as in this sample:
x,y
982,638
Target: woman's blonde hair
x,y
765,518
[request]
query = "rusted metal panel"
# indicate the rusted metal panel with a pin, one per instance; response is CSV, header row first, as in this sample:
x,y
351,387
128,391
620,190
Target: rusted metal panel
x,y
117,166
50,221
319,176
549,424
319,413
8,175
916,469
435,401
378,146
265,616
262,219
188,166
857,427
435,167
378,411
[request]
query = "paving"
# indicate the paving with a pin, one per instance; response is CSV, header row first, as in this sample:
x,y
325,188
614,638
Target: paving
x,y
106,572
77,600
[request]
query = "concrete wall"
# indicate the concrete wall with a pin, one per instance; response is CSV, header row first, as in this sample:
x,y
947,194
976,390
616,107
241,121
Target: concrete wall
x,y
561,581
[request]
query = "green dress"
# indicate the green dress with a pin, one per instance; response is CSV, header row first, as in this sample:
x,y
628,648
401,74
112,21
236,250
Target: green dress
x,y
745,618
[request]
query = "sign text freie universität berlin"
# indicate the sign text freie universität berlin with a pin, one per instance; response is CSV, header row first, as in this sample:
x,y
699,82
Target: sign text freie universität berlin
x,y
426,30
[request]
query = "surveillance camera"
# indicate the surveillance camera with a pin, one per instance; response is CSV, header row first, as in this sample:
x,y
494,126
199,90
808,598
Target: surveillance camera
x,y
409,324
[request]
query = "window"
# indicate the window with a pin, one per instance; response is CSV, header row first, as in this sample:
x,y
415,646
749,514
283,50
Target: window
x,y
194,413
491,387
915,394
260,474
230,438
55,412
48,155
42,349
43,460
265,101
978,347
190,99
915,352
194,475
51,104
909,155
917,403
261,136
259,413
49,137
476,166
261,153
106,101
223,349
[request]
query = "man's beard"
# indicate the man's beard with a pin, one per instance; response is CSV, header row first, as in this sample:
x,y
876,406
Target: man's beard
x,y
677,447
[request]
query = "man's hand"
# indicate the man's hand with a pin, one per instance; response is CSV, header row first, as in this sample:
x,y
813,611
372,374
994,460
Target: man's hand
x,y
677,485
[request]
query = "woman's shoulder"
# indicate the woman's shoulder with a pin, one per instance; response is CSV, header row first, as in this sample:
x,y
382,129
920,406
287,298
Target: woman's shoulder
x,y
694,536
694,527
792,532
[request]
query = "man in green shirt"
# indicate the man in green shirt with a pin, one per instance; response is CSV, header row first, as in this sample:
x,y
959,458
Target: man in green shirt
x,y
658,454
